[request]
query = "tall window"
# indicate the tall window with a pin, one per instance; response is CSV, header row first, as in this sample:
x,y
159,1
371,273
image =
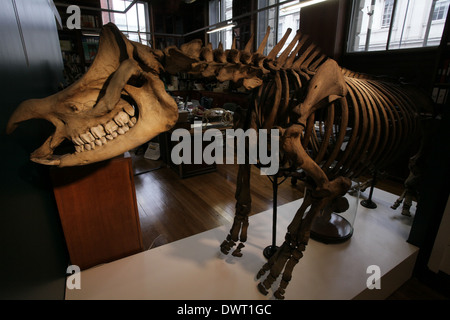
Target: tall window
x,y
221,11
279,18
440,10
387,13
133,23
396,24
267,18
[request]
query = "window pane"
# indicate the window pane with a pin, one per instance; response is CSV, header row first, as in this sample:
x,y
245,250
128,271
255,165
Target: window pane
x,y
370,25
227,13
436,25
221,10
406,23
288,18
409,23
214,17
266,18
387,13
132,19
142,9
133,23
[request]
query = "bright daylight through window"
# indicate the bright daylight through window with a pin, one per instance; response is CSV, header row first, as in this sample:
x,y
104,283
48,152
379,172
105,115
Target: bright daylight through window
x,y
133,23
396,24
280,16
221,11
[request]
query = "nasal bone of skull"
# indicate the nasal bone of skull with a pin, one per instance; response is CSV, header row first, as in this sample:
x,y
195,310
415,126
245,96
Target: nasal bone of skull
x,y
30,109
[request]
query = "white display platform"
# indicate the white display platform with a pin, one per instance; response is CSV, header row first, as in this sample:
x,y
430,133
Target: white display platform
x,y
194,269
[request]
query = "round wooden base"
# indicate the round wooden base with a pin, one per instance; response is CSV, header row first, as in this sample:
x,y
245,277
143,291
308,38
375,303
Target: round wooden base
x,y
334,230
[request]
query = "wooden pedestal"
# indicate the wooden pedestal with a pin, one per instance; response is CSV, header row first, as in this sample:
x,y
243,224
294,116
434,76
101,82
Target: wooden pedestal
x,y
98,210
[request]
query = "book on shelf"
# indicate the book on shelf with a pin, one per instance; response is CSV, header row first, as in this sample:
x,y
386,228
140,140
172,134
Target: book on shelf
x,y
439,95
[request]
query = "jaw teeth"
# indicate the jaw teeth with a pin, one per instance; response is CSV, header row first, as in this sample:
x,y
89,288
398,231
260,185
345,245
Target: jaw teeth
x,y
101,134
110,127
78,141
87,137
132,122
129,109
98,131
121,118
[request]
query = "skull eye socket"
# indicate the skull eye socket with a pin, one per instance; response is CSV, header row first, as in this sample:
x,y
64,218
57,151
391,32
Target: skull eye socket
x,y
137,81
73,108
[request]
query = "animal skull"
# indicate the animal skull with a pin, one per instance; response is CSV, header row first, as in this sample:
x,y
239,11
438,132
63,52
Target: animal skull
x,y
119,104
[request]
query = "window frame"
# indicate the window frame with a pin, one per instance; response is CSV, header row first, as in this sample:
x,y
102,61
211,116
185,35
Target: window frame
x,y
390,5
442,5
264,7
223,36
390,44
109,13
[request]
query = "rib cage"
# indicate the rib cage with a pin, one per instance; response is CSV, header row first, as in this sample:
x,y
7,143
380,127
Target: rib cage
x,y
364,132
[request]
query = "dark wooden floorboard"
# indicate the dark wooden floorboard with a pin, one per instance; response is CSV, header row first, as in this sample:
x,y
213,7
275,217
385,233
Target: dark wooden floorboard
x,y
173,208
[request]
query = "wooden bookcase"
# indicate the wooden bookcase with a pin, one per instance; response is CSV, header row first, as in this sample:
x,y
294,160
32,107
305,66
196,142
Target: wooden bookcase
x,y
98,211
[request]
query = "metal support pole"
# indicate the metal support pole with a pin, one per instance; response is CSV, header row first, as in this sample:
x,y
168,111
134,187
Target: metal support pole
x,y
270,250
368,203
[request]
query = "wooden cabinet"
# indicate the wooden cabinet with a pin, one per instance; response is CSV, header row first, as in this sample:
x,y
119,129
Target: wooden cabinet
x,y
98,210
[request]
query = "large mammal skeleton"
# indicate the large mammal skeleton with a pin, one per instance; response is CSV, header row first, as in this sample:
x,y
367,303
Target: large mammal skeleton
x,y
334,124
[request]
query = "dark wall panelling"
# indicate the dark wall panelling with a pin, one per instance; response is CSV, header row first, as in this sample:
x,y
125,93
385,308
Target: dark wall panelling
x,y
33,256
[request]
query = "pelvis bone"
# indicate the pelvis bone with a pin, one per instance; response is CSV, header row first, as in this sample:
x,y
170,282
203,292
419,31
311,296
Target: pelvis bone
x,y
119,104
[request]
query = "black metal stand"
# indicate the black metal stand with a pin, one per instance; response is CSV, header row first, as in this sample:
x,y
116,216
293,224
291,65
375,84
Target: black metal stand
x,y
368,203
269,251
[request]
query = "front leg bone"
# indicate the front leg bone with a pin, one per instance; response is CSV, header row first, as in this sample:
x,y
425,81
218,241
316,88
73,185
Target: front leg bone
x,y
294,150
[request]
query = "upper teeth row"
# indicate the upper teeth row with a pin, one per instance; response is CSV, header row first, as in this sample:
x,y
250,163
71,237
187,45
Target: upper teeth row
x,y
99,135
